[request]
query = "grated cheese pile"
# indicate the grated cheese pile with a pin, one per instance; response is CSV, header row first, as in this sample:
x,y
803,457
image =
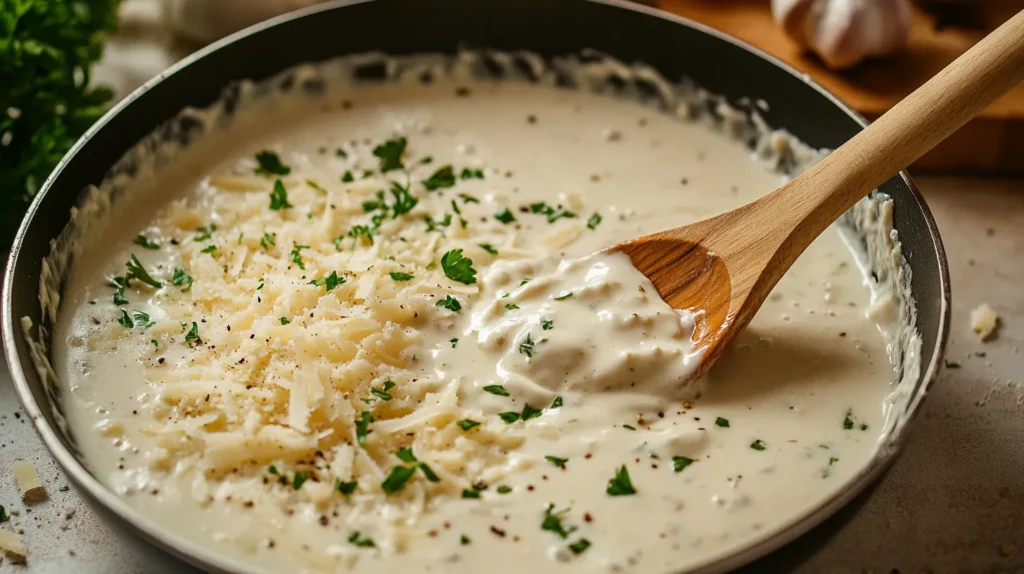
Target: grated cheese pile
x,y
286,337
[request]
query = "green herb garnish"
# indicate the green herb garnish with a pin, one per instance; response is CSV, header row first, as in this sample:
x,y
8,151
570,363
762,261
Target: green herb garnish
x,y
347,177
329,282
208,249
279,196
594,221
724,423
382,393
296,255
454,341
142,320
464,540
363,427
553,522
496,390
470,493
340,153
505,216
450,303
547,324
466,424
404,201
757,445
504,489
471,173
270,164
580,546
511,306
458,268
397,478
468,198
137,271
564,296
620,485
316,186
363,542
193,334
509,417
181,279
390,154
681,462
285,320
345,487
205,232
145,242
399,276
357,232
556,403
527,347
559,462
299,479
489,248
267,240
125,320
440,179
530,412
3,514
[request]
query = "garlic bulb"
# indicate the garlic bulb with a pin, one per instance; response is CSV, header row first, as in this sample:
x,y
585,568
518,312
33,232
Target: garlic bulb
x,y
844,32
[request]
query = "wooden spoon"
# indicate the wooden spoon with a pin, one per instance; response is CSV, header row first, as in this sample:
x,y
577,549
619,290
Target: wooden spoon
x,y
725,266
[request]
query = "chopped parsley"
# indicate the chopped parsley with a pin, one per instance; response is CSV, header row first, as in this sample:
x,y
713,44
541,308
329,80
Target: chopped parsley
x,y
464,540
270,164
559,462
832,460
556,403
553,522
466,424
450,303
629,427
468,198
527,347
316,186
509,417
550,212
399,276
363,542
757,445
564,296
347,177
405,455
279,196
329,282
137,271
620,485
530,412
3,514
193,334
208,249
547,324
341,153
511,306
580,546
299,479
363,427
345,487
681,462
397,478
496,390
427,160
505,216
471,173
594,221
125,320
470,493
142,320
285,320
404,201
504,489
390,154
296,255
357,232
458,268
440,179
724,423
267,240
181,279
454,341
948,364
205,232
489,248
145,242
118,283
382,393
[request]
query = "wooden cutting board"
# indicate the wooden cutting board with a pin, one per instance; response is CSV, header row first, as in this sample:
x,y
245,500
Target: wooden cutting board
x,y
991,143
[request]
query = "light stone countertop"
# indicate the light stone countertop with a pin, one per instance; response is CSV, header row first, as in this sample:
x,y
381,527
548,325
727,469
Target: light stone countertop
x,y
952,502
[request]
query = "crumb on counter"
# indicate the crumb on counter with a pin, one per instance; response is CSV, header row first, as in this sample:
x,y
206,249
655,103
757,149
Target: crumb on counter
x,y
13,547
984,321
31,488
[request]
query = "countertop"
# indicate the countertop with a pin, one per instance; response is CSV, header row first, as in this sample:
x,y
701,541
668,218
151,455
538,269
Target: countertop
x,y
952,502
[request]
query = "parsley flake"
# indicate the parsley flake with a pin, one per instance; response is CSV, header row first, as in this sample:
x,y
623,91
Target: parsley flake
x,y
363,542
454,341
489,248
580,546
270,164
382,393
564,296
594,221
471,173
340,153
285,320
468,198
757,445
530,412
299,479
464,540
509,417
142,320
681,462
404,201
145,242
347,177
547,324
345,487
470,493
505,216
296,255
504,489
316,186
620,485
399,276
390,154
279,197
440,179
450,303
193,334
458,268
208,249
329,282
556,403
4,517
559,462
267,240
496,390
125,320
137,271
397,478
553,522
527,347
724,423
363,427
466,424
205,232
511,306
181,279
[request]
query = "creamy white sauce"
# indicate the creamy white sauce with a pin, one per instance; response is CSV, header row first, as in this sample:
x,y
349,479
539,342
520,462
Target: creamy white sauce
x,y
768,435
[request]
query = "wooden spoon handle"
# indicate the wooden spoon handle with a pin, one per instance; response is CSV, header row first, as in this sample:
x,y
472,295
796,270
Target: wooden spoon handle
x,y
912,127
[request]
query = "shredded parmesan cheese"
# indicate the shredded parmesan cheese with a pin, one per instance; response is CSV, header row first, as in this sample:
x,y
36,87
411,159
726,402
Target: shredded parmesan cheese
x,y
984,321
